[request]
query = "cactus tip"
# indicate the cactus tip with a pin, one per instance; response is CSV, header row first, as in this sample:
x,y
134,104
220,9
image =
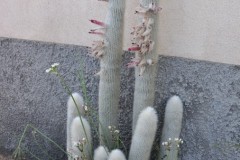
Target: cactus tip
x,y
117,155
101,153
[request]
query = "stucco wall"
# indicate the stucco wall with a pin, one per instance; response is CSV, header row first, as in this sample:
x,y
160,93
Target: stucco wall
x,y
198,29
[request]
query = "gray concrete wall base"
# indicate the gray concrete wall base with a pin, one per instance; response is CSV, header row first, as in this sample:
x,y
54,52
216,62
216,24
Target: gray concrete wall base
x,y
210,93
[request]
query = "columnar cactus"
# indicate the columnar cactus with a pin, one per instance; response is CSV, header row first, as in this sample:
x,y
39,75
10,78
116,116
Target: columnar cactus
x,y
172,128
144,135
81,146
72,112
109,51
146,57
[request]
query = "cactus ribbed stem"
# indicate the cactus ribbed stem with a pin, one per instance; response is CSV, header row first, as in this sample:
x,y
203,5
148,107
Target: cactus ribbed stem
x,y
145,82
172,127
144,135
109,85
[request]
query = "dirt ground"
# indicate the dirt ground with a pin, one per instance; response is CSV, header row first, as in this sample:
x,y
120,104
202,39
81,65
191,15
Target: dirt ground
x,y
5,157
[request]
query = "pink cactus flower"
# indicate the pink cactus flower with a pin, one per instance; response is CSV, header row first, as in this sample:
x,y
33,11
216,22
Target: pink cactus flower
x,y
98,45
134,62
134,48
98,22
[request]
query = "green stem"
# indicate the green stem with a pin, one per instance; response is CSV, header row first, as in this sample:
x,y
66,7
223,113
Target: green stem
x,y
104,136
23,135
83,83
79,113
84,91
33,154
41,148
125,148
49,139
168,155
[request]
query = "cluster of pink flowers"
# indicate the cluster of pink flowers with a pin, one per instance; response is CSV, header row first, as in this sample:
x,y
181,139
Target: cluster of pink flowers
x,y
98,46
141,41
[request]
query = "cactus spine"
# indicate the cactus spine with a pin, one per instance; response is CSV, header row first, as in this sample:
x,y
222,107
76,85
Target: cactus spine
x,y
146,57
111,57
79,140
71,114
144,135
172,127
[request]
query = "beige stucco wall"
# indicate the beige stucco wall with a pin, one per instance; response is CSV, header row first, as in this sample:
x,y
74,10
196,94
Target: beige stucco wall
x,y
198,29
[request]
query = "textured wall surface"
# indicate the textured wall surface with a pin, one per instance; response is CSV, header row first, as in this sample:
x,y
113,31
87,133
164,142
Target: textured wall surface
x,y
198,29
210,93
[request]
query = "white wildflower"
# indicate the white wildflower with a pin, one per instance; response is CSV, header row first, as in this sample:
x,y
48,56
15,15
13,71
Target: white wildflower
x,y
75,144
117,131
55,65
86,108
48,70
53,68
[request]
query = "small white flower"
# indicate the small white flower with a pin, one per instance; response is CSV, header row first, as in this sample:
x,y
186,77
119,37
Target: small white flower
x,y
55,65
85,108
48,70
53,68
76,157
176,139
169,139
34,132
109,127
150,62
75,144
165,143
117,131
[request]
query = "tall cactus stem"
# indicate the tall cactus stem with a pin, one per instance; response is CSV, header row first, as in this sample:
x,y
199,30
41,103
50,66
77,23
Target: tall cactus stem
x,y
145,72
109,85
144,135
172,127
